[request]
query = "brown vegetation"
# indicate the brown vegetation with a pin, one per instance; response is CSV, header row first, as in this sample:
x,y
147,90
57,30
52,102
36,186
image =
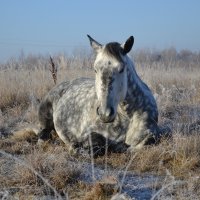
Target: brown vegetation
x,y
175,80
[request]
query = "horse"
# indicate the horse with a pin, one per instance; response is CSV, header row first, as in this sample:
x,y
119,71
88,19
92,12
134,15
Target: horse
x,y
116,106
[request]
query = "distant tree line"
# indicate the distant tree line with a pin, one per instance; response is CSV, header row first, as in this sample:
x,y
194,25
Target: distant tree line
x,y
83,58
166,55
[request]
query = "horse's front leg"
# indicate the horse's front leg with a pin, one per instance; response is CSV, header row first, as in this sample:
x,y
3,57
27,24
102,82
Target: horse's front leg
x,y
98,145
141,132
93,142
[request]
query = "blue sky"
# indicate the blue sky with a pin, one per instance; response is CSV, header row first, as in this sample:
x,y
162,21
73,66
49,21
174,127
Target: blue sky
x,y
54,26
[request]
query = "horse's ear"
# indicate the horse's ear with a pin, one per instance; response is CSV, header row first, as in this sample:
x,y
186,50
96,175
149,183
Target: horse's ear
x,y
94,44
127,46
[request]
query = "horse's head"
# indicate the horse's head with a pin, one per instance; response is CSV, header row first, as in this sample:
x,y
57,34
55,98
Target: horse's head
x,y
111,76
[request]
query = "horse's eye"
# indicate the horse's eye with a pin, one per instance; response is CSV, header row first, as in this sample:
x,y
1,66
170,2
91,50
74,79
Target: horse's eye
x,y
121,70
95,70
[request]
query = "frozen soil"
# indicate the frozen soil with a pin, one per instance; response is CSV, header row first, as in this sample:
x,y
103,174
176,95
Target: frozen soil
x,y
131,185
135,186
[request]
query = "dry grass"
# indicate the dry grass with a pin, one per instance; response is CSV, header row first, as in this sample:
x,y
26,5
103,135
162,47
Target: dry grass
x,y
176,85
179,155
53,164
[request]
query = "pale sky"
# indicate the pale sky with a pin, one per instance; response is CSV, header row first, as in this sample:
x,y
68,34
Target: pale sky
x,y
49,26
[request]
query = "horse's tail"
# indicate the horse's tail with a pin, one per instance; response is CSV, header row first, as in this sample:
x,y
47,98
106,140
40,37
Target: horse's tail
x,y
29,134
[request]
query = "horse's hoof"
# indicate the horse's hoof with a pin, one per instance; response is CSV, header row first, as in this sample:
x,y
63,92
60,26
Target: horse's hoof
x,y
40,142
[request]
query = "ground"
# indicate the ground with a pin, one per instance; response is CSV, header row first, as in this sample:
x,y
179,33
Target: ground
x,y
168,170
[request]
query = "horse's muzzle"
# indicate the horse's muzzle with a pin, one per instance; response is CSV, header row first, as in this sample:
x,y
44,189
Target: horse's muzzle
x,y
107,116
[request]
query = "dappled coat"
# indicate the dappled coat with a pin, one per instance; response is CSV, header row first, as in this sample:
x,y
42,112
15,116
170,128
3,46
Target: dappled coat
x,y
116,107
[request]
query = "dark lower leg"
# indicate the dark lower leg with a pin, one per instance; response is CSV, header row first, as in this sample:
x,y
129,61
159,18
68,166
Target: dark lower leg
x,y
45,134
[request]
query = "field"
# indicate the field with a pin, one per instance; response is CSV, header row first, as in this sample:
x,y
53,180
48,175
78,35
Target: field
x,y
169,170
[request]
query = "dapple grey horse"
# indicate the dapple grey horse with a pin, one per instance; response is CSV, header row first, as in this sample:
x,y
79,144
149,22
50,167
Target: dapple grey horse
x,y
117,105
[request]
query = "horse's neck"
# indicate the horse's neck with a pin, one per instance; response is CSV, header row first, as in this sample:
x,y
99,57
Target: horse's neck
x,y
134,90
134,82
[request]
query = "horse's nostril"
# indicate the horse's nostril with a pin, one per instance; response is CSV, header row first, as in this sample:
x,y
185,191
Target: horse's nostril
x,y
98,113
111,112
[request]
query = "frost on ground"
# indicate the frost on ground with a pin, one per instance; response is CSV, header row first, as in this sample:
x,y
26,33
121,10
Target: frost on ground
x,y
134,185
111,181
169,170
48,171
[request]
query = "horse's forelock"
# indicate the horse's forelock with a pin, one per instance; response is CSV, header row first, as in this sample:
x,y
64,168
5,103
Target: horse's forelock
x,y
115,50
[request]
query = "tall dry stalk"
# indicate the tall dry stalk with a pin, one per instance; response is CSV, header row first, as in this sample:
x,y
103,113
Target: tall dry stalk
x,y
53,69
